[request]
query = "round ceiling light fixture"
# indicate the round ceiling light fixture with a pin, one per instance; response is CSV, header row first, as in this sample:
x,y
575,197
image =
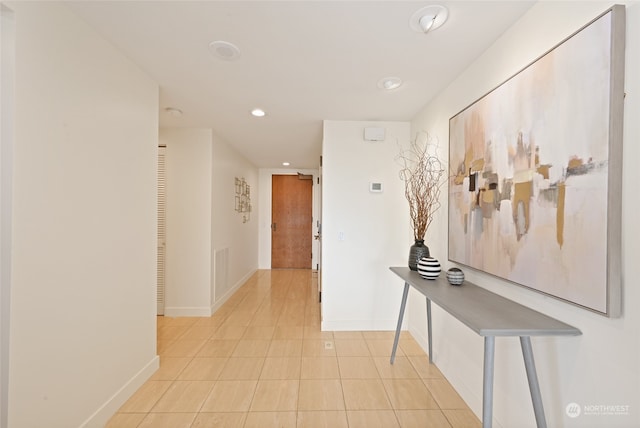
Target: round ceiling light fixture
x,y
286,163
428,18
390,83
224,50
258,112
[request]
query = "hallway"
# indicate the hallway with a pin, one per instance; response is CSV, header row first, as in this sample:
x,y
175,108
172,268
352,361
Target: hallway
x,y
261,361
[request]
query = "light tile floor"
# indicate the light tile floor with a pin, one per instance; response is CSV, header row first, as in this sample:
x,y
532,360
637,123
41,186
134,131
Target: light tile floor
x,y
262,361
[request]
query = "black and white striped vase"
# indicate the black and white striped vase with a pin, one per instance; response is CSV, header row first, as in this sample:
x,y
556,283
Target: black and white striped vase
x,y
429,268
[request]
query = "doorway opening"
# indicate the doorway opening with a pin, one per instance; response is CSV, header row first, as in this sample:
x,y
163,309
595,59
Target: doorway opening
x,y
291,221
7,88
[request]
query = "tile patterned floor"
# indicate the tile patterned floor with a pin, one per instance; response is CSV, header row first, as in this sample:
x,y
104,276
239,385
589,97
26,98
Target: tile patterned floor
x,y
261,361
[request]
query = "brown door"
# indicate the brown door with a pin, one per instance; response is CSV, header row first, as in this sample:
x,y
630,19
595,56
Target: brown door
x,y
291,221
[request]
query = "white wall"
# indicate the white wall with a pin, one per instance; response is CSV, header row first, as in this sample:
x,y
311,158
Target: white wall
x,y
84,223
201,221
358,290
188,172
228,226
601,366
265,198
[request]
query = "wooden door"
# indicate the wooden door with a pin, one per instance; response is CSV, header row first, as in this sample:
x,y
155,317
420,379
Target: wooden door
x,y
291,221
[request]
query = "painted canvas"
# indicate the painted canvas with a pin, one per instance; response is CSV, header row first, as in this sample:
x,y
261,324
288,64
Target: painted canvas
x,y
534,194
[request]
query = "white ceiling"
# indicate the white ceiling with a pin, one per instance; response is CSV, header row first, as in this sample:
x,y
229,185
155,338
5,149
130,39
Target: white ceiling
x,y
301,61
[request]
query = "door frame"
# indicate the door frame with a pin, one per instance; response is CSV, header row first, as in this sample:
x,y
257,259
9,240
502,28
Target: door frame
x,y
264,213
7,119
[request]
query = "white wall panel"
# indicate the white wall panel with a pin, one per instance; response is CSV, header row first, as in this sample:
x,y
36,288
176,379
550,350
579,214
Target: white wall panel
x,y
84,223
600,367
363,233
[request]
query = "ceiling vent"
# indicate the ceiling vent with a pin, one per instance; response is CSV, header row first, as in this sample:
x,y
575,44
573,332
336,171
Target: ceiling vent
x,y
374,134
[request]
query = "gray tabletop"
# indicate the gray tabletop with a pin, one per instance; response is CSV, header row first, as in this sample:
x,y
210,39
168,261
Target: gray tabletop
x,y
484,312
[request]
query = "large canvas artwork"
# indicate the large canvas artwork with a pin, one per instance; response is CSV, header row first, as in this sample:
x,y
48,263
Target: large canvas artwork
x,y
534,195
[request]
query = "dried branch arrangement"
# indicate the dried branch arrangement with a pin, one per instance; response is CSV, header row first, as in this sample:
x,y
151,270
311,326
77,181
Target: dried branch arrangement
x,y
422,173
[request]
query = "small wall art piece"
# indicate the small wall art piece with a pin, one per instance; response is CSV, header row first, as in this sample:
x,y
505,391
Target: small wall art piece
x,y
534,196
243,199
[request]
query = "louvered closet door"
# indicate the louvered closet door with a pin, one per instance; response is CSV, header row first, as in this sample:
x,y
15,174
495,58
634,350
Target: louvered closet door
x,y
161,230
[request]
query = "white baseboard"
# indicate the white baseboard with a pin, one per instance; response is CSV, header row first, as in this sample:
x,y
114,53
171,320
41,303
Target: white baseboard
x,y
221,301
461,385
422,339
100,418
359,325
187,311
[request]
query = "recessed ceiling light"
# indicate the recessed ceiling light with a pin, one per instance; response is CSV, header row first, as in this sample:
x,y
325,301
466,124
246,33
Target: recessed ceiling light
x,y
285,164
390,83
258,112
428,18
172,111
224,50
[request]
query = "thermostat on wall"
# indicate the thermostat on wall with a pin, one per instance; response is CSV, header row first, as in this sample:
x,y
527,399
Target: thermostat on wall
x,y
375,187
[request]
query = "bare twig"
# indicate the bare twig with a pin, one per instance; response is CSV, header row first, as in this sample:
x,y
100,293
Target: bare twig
x,y
422,174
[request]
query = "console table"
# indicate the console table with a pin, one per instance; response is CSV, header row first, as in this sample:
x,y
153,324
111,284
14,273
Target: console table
x,y
489,315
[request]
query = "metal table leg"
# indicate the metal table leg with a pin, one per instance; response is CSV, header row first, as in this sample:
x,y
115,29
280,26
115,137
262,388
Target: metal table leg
x,y
487,382
534,387
429,329
405,293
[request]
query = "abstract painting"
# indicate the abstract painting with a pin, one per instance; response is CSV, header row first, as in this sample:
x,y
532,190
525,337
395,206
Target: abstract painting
x,y
534,192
